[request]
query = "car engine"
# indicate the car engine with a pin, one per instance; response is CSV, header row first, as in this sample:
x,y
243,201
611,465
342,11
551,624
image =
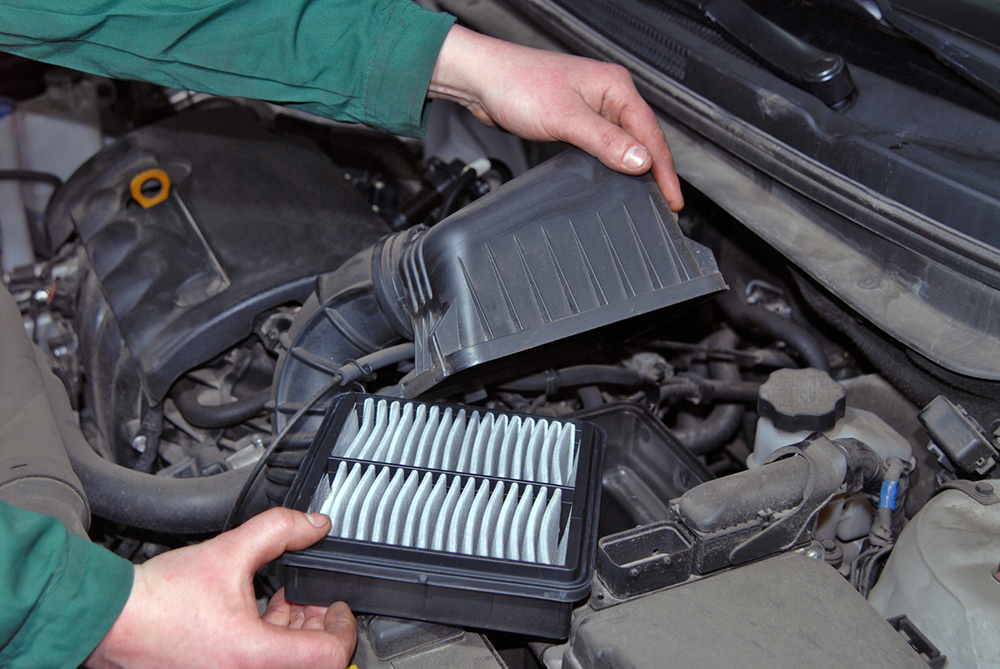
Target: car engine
x,y
781,480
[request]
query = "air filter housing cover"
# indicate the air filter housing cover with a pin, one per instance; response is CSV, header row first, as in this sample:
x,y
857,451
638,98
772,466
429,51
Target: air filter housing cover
x,y
450,514
569,247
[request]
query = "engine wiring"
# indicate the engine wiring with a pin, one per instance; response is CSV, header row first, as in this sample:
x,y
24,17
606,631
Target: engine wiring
x,y
348,372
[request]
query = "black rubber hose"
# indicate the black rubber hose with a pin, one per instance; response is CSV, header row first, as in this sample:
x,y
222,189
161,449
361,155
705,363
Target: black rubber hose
x,y
281,476
710,390
725,419
30,175
581,375
744,316
159,503
590,396
866,467
466,179
216,416
287,460
122,495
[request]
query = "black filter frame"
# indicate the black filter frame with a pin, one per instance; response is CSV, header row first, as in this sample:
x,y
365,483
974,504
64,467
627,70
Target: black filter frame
x,y
437,586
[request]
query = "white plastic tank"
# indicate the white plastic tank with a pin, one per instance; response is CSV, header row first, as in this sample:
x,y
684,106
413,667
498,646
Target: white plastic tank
x,y
793,404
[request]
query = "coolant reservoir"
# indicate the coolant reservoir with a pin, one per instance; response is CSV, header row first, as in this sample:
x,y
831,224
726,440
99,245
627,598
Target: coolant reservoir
x,y
942,576
793,404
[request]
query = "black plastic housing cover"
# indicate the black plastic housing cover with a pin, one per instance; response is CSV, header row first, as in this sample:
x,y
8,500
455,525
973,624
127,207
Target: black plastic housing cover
x,y
437,586
568,247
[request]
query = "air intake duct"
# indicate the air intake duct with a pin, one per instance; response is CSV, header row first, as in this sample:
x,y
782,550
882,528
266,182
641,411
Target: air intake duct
x,y
567,248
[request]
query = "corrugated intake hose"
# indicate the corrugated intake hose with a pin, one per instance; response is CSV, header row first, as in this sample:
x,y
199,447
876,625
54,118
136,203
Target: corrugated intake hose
x,y
35,472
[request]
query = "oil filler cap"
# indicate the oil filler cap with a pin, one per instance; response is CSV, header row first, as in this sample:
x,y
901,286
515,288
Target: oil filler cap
x,y
798,400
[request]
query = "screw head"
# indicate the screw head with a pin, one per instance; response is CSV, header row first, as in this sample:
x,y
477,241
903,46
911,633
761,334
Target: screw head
x,y
983,489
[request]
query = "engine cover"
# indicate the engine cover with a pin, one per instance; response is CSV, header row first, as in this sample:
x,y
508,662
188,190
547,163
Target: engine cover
x,y
252,216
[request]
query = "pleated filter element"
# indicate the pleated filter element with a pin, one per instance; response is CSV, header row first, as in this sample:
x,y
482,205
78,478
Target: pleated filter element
x,y
487,444
465,515
399,503
450,514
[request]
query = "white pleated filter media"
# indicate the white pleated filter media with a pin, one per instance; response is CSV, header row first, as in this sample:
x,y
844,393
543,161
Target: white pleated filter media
x,y
386,499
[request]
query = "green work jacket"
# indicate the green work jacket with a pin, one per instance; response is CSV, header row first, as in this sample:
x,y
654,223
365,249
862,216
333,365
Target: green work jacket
x,y
60,593
363,61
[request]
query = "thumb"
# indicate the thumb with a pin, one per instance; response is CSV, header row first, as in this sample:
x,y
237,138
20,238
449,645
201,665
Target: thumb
x,y
265,537
609,143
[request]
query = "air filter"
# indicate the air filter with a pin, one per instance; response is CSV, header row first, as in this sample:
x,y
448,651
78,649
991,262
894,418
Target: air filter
x,y
449,514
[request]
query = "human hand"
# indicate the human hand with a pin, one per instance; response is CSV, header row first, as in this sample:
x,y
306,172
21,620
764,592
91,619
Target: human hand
x,y
195,606
544,96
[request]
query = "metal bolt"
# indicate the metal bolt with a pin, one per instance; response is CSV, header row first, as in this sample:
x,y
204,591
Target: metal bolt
x,y
815,551
983,489
139,443
634,573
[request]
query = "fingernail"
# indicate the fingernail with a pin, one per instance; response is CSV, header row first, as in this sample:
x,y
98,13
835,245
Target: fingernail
x,y
317,519
636,157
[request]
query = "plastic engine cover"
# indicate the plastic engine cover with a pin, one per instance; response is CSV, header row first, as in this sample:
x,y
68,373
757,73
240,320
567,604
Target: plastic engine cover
x,y
569,247
251,218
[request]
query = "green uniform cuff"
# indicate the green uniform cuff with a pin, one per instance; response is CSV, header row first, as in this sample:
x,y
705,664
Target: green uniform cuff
x,y
395,97
69,592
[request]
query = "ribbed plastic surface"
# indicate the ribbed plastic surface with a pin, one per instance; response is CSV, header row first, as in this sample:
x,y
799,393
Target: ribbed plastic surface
x,y
459,500
569,247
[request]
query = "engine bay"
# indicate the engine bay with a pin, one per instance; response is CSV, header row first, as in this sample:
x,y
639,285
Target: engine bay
x,y
206,286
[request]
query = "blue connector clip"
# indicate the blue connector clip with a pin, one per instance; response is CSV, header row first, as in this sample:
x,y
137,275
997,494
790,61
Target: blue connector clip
x,y
887,496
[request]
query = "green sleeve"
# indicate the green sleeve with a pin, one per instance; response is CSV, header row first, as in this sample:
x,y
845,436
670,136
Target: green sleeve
x,y
60,593
365,61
